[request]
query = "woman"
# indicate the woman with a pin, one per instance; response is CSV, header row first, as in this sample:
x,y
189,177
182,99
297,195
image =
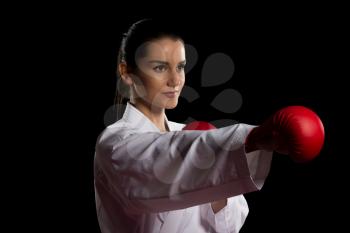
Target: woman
x,y
152,176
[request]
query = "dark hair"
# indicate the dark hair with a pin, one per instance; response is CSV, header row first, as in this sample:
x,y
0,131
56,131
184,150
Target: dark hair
x,y
140,32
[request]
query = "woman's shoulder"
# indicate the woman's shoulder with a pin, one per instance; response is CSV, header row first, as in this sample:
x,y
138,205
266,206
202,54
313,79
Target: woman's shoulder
x,y
114,133
121,129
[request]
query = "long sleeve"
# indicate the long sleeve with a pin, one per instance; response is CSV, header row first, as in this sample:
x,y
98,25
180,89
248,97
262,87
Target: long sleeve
x,y
155,172
231,218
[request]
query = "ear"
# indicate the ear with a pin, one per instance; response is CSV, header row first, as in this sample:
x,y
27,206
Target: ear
x,y
125,76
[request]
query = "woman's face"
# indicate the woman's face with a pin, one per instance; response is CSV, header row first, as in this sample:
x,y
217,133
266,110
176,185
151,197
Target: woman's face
x,y
160,75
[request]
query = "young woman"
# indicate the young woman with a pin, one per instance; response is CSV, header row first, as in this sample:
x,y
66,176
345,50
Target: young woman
x,y
152,176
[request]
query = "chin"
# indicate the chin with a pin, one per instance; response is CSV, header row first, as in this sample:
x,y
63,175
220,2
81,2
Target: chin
x,y
170,105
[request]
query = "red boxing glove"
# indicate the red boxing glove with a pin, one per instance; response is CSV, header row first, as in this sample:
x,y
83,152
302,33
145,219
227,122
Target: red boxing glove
x,y
295,131
199,125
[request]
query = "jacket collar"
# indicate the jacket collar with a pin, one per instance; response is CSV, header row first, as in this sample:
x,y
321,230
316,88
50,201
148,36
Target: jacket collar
x,y
136,118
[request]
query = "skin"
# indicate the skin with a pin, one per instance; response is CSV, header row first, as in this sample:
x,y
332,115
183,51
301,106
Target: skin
x,y
160,69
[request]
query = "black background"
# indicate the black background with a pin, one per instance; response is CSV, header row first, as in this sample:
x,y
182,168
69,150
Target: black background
x,y
280,59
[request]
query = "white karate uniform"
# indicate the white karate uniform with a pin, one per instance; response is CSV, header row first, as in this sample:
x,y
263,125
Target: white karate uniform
x,y
147,181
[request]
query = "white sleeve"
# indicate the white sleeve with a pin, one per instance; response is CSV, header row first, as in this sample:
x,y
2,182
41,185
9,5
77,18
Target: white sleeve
x,y
156,172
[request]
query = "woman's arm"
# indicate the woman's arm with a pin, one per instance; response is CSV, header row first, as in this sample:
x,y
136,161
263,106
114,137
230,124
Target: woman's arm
x,y
155,172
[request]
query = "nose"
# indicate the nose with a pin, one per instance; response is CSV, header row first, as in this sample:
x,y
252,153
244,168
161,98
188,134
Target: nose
x,y
174,79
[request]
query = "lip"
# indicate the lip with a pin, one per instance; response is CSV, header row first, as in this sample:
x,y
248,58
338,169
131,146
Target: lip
x,y
170,94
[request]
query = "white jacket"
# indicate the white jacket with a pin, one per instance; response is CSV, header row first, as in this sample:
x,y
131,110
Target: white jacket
x,y
147,181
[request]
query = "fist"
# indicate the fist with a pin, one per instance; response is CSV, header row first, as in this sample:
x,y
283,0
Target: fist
x,y
295,130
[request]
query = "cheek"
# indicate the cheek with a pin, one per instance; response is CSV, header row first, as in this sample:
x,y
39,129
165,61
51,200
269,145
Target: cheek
x,y
183,80
156,86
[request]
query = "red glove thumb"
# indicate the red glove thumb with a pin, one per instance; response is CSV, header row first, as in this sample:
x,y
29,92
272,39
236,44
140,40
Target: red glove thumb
x,y
296,131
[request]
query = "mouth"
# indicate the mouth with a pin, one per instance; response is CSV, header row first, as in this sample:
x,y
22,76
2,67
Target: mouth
x,y
170,94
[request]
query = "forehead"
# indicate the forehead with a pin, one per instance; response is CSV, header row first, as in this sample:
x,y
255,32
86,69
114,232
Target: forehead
x,y
165,49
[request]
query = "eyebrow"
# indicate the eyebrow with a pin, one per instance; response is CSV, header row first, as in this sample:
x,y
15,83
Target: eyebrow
x,y
163,62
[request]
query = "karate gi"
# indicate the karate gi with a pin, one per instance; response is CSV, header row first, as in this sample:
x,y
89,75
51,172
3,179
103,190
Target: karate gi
x,y
147,181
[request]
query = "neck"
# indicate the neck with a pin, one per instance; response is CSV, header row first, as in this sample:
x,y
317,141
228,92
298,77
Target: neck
x,y
155,114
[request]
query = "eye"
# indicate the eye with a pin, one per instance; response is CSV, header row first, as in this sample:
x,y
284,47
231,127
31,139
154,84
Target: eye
x,y
181,67
160,68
